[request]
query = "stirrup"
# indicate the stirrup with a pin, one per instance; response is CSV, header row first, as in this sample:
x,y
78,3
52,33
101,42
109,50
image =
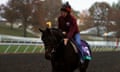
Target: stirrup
x,y
87,57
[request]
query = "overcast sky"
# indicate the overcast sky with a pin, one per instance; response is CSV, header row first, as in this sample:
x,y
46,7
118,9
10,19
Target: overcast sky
x,y
3,1
86,4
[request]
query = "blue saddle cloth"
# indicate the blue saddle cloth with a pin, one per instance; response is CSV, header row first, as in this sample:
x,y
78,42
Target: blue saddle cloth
x,y
85,48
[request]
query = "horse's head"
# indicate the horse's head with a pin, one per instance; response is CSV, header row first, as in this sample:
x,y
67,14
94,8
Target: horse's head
x,y
50,37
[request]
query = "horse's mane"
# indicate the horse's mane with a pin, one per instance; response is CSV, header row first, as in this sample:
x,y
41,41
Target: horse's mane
x,y
57,32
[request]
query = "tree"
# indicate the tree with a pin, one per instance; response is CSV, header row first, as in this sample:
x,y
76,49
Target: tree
x,y
100,15
21,10
85,20
52,8
35,12
115,15
9,13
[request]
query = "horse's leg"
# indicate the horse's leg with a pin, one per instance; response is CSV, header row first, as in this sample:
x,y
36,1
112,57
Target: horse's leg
x,y
82,69
56,67
53,69
84,66
53,65
68,70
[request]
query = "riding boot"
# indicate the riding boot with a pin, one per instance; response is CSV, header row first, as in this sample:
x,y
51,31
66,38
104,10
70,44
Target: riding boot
x,y
81,53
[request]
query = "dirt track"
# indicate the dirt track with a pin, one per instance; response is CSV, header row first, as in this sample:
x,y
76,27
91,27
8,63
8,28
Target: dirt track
x,y
102,62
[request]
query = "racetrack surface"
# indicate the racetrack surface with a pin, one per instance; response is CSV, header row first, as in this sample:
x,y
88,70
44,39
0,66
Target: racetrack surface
x,y
102,62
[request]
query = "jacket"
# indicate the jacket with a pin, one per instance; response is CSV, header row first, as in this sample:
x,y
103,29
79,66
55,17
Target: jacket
x,y
68,24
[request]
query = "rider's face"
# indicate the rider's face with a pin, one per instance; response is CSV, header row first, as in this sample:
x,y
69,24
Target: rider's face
x,y
63,13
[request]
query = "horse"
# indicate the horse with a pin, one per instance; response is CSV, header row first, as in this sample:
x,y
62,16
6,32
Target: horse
x,y
63,58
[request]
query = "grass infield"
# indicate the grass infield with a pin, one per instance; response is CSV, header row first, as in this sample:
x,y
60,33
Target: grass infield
x,y
21,49
39,49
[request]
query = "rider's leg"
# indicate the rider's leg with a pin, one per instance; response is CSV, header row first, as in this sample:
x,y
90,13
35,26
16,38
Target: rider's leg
x,y
78,43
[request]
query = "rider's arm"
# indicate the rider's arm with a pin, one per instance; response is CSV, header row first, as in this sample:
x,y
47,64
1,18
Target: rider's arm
x,y
73,29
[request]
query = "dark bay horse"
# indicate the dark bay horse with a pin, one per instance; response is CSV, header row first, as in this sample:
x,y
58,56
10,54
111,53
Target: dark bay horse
x,y
63,58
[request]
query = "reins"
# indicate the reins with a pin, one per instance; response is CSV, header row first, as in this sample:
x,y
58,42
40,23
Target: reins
x,y
58,44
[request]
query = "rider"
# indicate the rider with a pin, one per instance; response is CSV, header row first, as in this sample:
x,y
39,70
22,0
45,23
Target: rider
x,y
67,23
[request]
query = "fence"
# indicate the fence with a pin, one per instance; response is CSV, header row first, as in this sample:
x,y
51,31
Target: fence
x,y
21,47
37,47
11,44
103,44
15,44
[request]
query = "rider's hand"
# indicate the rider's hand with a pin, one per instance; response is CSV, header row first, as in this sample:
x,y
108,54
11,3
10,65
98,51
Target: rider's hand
x,y
65,41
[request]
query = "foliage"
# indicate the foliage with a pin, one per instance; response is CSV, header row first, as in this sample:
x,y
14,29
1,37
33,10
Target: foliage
x,y
115,13
34,12
101,14
105,15
86,20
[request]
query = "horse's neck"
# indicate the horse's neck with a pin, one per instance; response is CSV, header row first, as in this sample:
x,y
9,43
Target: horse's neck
x,y
58,34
